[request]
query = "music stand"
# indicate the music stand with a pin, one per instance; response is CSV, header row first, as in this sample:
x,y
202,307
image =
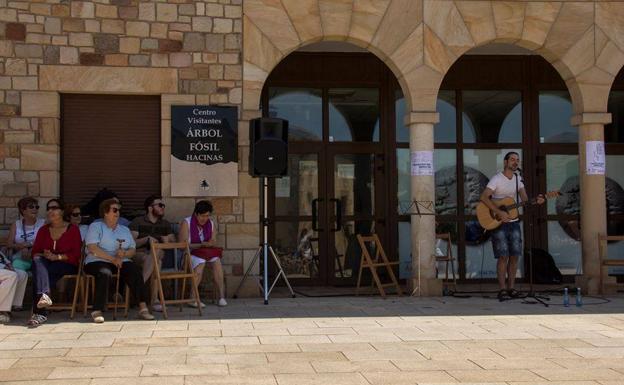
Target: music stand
x,y
420,209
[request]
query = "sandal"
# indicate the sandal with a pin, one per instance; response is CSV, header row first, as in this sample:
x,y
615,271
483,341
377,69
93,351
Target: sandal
x,y
37,320
501,295
97,316
513,293
145,315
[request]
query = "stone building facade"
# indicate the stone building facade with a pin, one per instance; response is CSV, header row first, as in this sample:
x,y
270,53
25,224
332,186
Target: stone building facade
x,y
222,52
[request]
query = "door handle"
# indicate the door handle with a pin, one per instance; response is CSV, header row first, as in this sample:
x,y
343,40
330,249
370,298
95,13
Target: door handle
x,y
338,214
315,214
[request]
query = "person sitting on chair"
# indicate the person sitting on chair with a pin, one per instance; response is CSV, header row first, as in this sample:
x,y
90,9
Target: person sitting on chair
x,y
110,247
56,252
22,234
201,233
152,227
506,239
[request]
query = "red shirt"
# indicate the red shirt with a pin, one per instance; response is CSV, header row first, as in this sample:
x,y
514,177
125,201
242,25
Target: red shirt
x,y
69,244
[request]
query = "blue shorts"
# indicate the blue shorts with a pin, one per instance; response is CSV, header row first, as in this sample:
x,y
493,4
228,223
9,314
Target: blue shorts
x,y
507,240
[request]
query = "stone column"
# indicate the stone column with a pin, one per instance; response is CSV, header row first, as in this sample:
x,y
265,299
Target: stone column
x,y
593,202
423,227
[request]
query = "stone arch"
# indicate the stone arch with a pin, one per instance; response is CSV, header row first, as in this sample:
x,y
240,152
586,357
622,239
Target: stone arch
x,y
420,39
273,29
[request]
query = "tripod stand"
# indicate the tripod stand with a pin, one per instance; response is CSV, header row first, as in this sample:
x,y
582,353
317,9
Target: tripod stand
x,y
264,249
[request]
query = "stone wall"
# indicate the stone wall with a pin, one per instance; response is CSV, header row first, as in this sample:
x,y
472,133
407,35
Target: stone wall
x,y
189,52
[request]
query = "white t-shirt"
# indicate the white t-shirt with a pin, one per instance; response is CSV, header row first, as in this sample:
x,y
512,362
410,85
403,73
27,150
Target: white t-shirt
x,y
503,187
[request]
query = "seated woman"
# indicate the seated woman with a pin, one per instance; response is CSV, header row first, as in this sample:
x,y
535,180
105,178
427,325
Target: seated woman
x,y
19,244
110,247
73,215
8,284
200,231
56,252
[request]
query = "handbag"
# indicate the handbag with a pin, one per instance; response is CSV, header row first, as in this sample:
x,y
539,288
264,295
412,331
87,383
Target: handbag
x,y
208,253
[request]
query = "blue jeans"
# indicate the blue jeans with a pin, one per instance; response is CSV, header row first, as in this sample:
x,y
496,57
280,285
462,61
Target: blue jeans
x,y
46,274
507,240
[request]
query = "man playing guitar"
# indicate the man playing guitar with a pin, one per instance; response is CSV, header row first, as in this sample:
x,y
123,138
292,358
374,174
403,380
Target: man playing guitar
x,y
506,239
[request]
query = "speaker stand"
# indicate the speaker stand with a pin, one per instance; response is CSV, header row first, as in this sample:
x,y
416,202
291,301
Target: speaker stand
x,y
265,248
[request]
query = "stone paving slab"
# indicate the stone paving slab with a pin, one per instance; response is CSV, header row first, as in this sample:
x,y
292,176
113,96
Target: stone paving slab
x,y
359,340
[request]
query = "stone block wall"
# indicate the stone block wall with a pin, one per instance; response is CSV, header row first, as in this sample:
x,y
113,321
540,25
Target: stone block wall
x,y
189,52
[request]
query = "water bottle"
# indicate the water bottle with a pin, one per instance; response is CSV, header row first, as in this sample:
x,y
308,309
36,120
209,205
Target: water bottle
x,y
566,298
579,298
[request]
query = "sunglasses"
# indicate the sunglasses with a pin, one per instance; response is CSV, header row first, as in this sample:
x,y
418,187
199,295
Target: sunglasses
x,y
115,210
75,215
36,207
161,205
53,208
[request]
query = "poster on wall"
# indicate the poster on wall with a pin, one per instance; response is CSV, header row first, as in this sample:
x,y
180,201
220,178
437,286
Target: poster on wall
x,y
422,163
595,157
204,151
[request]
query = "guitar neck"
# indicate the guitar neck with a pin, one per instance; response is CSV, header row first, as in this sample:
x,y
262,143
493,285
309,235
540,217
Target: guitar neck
x,y
521,204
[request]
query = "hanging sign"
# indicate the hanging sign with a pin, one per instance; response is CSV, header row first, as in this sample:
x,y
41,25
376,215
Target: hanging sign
x,y
204,151
422,163
595,157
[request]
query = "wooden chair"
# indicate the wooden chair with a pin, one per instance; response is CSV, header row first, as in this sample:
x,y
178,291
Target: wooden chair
x,y
87,283
447,258
380,260
78,284
184,274
605,261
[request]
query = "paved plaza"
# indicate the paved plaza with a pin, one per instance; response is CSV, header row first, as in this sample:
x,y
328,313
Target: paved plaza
x,y
327,341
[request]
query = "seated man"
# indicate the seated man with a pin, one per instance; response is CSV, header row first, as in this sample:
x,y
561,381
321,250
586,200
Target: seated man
x,y
151,227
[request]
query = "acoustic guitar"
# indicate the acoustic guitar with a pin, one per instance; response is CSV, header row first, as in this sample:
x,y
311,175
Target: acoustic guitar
x,y
489,221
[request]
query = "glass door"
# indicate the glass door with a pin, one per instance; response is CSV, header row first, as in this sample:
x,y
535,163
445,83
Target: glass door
x,y
335,183
353,208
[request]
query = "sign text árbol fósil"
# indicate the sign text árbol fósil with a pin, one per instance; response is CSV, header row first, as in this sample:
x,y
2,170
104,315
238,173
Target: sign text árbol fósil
x,y
421,163
204,151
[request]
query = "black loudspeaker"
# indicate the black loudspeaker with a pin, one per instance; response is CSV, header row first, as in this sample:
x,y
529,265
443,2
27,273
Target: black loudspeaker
x,y
268,147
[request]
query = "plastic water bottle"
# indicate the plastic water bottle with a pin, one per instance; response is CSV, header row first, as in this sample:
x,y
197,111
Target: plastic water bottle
x,y
579,298
566,297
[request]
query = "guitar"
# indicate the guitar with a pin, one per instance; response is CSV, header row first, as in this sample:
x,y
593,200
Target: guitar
x,y
489,221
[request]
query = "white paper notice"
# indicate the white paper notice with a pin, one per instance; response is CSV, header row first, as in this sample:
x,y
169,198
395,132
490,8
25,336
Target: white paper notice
x,y
595,158
422,162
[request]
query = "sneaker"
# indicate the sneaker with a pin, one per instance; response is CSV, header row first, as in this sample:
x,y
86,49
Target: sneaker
x,y
5,318
194,305
37,320
222,302
44,301
145,315
97,316
157,307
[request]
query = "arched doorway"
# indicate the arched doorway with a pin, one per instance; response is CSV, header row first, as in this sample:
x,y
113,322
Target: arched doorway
x,y
337,99
495,99
614,186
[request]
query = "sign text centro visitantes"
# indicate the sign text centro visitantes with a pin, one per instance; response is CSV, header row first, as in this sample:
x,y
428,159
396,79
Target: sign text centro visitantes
x,y
204,151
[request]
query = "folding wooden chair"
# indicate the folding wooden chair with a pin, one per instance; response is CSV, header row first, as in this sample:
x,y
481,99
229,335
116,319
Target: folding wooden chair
x,y
186,272
380,260
77,291
606,262
447,258
87,281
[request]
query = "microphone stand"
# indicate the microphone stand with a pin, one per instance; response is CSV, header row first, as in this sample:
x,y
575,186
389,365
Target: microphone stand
x,y
529,242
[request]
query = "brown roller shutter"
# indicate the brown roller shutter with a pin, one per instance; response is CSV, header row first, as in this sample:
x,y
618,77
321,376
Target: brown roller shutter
x,y
110,141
